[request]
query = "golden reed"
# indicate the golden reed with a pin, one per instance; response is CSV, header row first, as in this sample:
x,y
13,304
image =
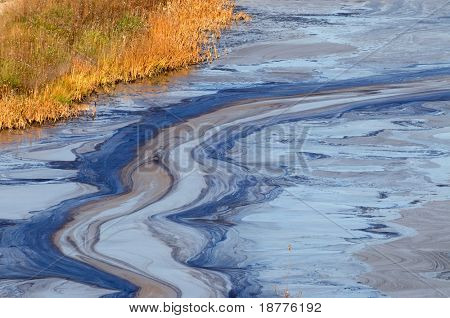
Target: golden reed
x,y
55,53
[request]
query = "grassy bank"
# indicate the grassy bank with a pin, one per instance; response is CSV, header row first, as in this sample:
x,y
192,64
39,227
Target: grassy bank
x,y
55,53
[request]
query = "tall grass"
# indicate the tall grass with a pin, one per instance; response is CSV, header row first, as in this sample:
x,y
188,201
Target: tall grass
x,y
54,53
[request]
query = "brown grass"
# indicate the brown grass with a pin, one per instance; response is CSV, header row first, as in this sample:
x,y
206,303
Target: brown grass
x,y
55,53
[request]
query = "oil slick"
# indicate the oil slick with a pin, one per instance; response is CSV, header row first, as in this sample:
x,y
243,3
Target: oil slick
x,y
236,223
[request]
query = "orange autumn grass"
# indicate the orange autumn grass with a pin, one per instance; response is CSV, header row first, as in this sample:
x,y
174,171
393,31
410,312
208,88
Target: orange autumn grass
x,y
55,53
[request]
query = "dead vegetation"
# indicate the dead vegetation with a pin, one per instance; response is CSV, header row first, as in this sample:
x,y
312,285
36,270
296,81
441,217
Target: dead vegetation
x,y
55,53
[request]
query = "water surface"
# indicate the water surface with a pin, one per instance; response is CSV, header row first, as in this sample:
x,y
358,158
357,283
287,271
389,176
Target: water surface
x,y
299,163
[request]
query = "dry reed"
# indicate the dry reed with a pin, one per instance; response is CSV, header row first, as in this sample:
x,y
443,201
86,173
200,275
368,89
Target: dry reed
x,y
55,53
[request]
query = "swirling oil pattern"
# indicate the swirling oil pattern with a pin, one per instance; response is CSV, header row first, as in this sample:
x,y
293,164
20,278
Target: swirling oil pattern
x,y
312,159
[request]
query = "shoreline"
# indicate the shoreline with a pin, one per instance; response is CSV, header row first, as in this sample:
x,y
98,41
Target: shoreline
x,y
143,43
